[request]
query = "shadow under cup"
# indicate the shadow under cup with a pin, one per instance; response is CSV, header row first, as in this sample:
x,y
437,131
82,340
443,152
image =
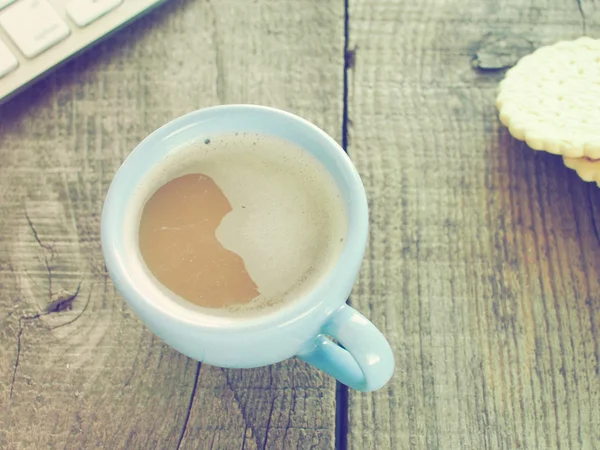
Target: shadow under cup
x,y
214,335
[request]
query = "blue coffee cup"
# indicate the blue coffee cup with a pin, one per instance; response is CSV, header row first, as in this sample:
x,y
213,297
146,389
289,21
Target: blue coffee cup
x,y
362,358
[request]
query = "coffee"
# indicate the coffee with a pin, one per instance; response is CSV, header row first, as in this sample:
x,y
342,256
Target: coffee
x,y
241,221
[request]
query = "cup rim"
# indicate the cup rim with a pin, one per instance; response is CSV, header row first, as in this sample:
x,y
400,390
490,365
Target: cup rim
x,y
136,290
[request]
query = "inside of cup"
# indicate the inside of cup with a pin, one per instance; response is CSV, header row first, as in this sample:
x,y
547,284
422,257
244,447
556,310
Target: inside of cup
x,y
130,192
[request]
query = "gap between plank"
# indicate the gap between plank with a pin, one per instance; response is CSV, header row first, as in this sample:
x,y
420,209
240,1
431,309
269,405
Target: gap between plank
x,y
341,391
191,403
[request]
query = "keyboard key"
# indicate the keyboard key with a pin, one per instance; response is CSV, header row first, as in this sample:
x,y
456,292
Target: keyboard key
x,y
33,25
8,61
4,3
84,12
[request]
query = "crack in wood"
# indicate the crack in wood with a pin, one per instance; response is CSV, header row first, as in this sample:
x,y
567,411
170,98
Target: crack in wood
x,y
46,247
289,425
583,18
18,357
37,237
242,405
58,307
244,438
189,410
269,423
238,401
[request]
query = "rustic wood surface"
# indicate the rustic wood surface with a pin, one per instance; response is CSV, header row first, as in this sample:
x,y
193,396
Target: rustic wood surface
x,y
484,257
481,266
85,373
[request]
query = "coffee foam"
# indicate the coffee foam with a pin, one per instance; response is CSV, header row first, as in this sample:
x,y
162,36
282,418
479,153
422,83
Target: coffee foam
x,y
288,221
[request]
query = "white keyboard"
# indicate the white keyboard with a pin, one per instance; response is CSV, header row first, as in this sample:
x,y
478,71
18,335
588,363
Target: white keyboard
x,y
36,35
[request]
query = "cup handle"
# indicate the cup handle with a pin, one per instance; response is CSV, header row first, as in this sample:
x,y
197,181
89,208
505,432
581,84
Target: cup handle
x,y
365,362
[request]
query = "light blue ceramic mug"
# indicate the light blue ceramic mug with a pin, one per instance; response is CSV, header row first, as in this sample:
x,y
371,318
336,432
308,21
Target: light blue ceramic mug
x,y
301,328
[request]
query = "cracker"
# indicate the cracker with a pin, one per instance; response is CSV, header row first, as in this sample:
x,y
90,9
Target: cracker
x,y
587,169
550,99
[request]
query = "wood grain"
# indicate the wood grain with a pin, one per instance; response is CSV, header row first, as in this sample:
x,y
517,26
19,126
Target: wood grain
x,y
483,260
77,368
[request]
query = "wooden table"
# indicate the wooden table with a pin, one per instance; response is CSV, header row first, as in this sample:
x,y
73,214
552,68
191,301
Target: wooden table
x,y
483,261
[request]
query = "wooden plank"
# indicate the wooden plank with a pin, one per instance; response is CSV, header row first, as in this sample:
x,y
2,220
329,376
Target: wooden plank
x,y
77,368
483,259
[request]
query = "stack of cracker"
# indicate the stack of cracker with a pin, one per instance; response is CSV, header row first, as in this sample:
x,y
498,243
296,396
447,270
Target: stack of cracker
x,y
551,100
